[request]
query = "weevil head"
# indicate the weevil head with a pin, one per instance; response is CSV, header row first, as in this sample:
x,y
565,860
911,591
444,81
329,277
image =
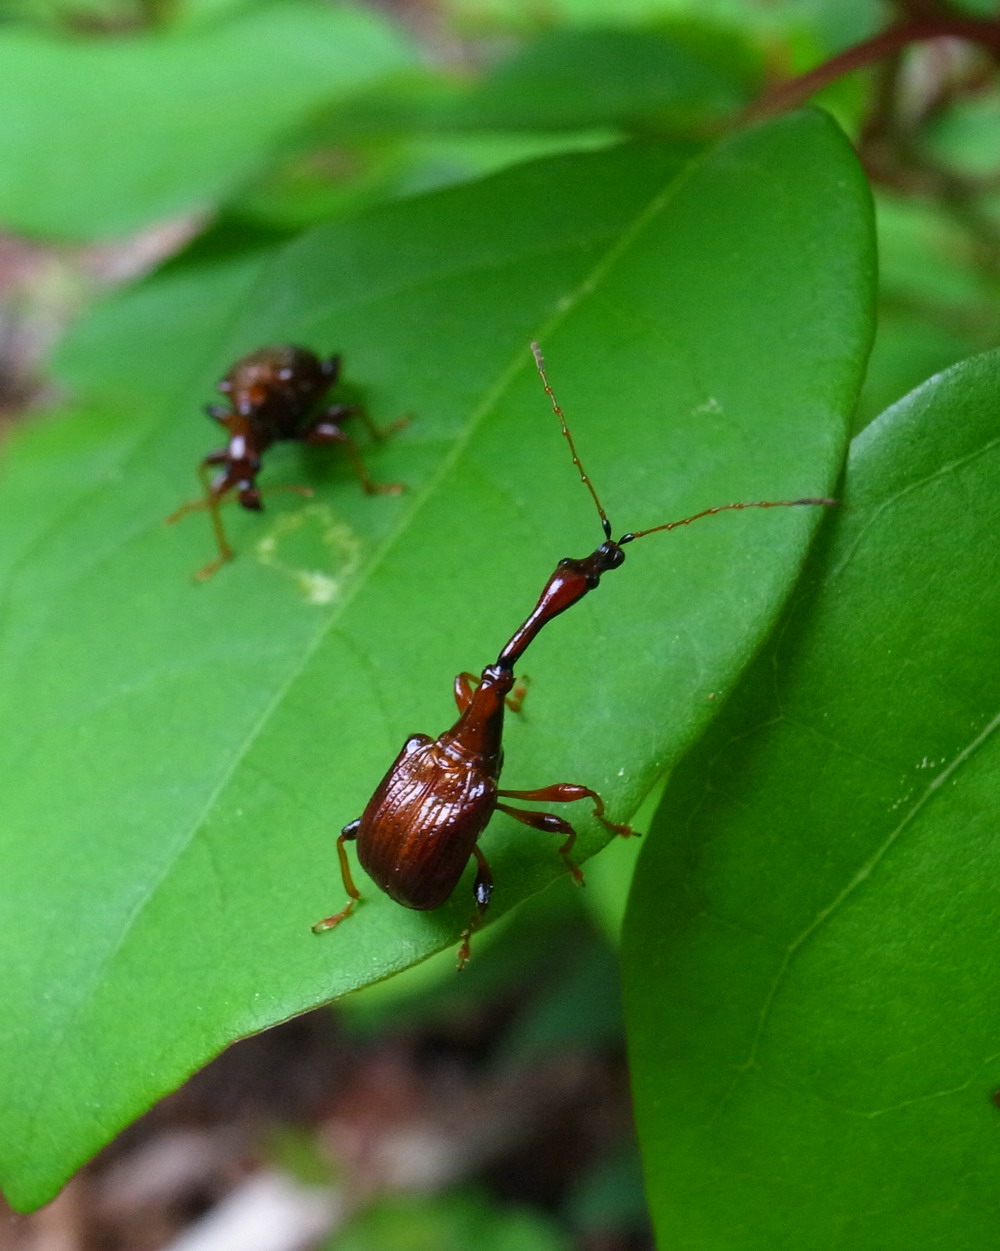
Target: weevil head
x,y
587,572
571,580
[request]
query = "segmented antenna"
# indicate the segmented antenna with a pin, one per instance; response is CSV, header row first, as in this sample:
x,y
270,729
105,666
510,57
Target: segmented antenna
x,y
670,525
536,351
722,508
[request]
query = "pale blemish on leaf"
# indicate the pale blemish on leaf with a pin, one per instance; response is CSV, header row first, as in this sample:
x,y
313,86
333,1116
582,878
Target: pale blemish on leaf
x,y
299,529
711,405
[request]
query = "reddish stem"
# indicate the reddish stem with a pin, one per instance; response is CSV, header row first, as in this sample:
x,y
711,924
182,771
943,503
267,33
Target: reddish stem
x,y
795,91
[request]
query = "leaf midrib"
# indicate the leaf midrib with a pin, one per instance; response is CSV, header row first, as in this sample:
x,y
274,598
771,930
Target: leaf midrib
x,y
860,876
585,287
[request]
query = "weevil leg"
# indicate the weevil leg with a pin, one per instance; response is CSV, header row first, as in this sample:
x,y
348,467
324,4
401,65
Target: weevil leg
x,y
561,793
214,495
515,700
550,824
217,494
213,499
337,412
465,684
348,833
482,890
568,793
325,432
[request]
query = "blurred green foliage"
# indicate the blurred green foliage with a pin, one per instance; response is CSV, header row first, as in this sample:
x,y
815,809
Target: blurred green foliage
x,y
451,1223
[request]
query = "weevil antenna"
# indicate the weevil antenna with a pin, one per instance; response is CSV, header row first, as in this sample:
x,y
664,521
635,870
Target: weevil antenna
x,y
536,351
723,508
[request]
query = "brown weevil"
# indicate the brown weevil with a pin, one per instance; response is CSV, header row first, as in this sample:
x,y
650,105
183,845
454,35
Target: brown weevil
x,y
274,396
423,823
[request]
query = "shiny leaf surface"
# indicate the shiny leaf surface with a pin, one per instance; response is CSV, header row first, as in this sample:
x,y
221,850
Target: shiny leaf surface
x,y
178,758
811,972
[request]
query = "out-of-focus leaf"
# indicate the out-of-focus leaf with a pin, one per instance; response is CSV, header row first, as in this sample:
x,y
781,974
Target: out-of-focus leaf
x,y
678,80
576,1008
937,301
964,137
834,24
452,1222
100,137
811,945
611,1195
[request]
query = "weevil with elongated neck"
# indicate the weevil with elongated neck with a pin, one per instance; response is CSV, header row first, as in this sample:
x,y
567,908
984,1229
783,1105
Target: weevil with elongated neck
x,y
422,825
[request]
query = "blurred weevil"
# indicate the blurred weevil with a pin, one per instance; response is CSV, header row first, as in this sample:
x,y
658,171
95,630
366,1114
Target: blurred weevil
x,y
273,394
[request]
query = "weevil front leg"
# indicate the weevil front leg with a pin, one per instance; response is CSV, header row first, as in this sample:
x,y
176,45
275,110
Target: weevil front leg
x,y
465,684
348,833
219,491
482,890
213,496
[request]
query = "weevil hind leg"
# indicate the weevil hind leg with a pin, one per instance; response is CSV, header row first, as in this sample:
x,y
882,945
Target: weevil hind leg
x,y
482,890
549,823
568,793
328,431
376,432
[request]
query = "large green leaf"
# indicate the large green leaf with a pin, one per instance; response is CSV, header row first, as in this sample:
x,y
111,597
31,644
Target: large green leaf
x,y
177,758
811,945
101,137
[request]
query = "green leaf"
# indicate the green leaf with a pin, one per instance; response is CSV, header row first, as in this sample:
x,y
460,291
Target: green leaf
x,y
177,759
102,137
684,79
448,1222
937,303
811,944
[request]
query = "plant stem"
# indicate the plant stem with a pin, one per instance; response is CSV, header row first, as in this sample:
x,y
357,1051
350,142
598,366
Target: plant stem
x,y
796,91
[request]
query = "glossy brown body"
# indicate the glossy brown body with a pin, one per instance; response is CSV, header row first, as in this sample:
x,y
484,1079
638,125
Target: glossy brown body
x,y
422,824
418,830
275,394
277,388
